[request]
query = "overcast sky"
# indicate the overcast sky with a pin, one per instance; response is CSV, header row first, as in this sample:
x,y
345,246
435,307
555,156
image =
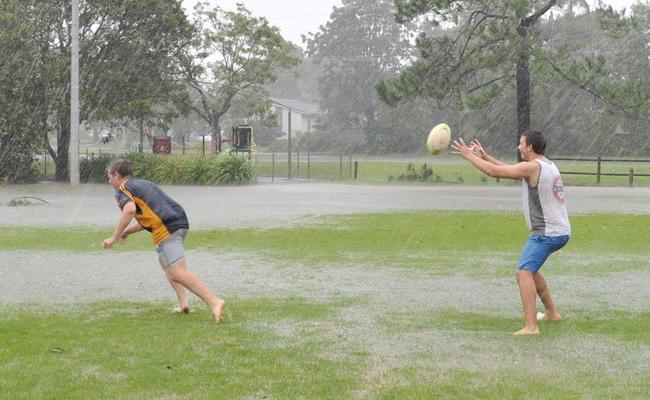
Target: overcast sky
x,y
296,17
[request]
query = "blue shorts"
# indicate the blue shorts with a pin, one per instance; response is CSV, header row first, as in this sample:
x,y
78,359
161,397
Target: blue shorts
x,y
537,250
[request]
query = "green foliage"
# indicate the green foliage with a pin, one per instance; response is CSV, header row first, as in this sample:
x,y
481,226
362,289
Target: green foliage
x,y
360,45
614,23
170,170
131,54
22,115
17,165
144,165
423,174
146,352
234,170
198,170
93,170
201,171
251,52
498,52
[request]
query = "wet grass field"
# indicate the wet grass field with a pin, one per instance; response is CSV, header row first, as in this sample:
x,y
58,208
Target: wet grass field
x,y
365,306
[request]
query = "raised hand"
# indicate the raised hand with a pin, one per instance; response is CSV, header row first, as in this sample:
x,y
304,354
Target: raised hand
x,y
459,147
477,148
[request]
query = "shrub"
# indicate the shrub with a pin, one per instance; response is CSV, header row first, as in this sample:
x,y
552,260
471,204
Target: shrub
x,y
170,170
144,165
201,171
94,170
17,168
234,170
423,174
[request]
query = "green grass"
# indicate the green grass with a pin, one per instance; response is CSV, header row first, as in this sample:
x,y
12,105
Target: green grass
x,y
449,169
358,344
487,364
142,351
392,235
618,325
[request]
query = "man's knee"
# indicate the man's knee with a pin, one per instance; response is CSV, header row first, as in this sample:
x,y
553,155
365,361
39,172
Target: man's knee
x,y
174,272
523,274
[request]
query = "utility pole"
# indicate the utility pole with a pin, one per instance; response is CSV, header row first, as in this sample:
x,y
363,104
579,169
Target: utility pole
x,y
289,144
73,146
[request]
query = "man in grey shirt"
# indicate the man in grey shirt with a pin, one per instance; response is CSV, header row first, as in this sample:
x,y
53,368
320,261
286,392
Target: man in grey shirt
x,y
545,212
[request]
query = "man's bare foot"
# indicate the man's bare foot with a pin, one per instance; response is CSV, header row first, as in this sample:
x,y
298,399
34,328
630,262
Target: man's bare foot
x,y
218,311
549,317
182,310
527,331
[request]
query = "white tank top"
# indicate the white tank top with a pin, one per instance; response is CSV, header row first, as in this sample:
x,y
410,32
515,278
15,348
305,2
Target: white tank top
x,y
544,205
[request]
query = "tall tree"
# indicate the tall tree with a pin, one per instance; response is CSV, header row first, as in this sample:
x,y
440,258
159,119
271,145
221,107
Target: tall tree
x,y
481,48
360,45
130,53
239,54
299,82
22,109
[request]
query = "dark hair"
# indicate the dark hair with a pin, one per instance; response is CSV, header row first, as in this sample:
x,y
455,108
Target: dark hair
x,y
122,167
535,139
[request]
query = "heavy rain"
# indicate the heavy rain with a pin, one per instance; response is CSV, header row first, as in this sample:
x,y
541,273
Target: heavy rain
x,y
329,254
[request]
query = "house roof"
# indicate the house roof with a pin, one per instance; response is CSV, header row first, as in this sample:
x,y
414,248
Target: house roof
x,y
297,105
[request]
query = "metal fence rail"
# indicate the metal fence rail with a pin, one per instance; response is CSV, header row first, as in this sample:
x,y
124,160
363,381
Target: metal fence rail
x,y
305,166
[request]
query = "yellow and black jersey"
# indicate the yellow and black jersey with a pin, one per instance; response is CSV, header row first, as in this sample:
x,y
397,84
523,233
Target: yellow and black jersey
x,y
155,211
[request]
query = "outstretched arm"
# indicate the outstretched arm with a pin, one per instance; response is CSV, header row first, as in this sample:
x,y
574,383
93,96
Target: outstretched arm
x,y
478,149
521,170
128,212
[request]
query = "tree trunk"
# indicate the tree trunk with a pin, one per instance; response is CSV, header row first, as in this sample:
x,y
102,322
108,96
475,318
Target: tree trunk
x,y
523,88
216,135
62,173
523,96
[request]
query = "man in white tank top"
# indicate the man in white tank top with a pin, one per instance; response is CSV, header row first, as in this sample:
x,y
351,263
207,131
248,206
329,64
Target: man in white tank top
x,y
545,213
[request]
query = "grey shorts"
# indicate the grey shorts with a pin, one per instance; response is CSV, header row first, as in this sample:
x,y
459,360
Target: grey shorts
x,y
171,249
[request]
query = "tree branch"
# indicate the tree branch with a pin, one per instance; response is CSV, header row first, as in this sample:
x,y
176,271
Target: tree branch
x,y
531,19
488,83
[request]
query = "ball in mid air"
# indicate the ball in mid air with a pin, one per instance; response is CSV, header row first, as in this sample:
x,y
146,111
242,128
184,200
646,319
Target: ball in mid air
x,y
439,139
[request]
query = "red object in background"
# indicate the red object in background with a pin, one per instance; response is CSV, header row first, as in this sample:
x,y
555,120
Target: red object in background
x,y
162,145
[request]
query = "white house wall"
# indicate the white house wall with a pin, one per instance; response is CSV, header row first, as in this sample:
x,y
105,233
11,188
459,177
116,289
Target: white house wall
x,y
299,122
